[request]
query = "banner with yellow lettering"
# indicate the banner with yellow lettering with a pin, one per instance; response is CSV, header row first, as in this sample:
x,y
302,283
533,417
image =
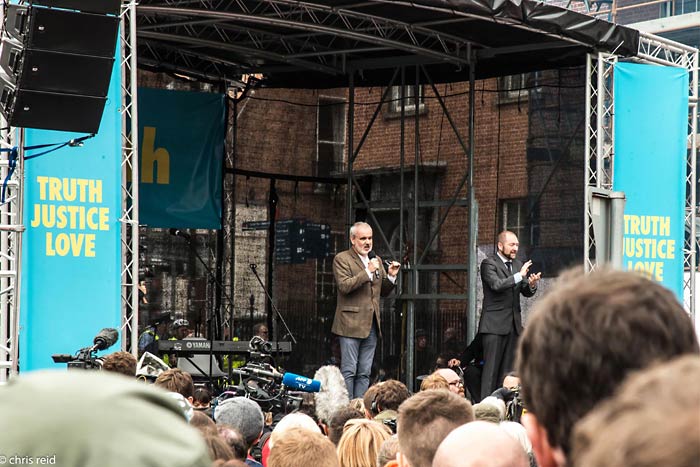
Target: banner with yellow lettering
x,y
71,248
651,123
181,147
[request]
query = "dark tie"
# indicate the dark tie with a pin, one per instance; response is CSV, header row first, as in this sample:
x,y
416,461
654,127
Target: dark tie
x,y
509,265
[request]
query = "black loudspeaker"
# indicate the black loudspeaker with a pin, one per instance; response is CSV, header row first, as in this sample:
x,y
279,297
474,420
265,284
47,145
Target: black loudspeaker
x,y
56,65
63,31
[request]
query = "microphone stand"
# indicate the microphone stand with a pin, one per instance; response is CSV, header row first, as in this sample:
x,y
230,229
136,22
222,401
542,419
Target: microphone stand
x,y
212,279
254,268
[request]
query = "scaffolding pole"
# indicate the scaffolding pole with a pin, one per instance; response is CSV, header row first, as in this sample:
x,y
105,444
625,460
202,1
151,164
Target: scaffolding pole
x,y
129,183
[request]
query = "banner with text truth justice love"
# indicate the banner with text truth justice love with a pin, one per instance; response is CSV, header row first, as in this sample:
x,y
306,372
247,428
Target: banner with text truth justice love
x,y
651,124
181,150
71,256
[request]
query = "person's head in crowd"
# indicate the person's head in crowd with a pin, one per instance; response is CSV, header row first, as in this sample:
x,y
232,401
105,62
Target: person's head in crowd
x,y
387,452
518,432
333,393
120,362
86,414
388,396
487,413
293,420
201,398
260,330
202,421
434,381
229,463
360,443
454,382
337,422
358,403
511,380
368,398
491,405
301,447
424,421
178,381
234,439
421,339
480,444
653,420
599,327
307,406
242,414
218,449
180,328
441,361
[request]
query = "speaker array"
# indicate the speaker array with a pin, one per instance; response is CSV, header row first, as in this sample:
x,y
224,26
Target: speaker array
x,y
56,60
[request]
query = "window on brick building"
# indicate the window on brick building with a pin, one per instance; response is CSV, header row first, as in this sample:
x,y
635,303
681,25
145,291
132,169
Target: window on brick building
x,y
514,217
513,87
410,101
330,136
325,282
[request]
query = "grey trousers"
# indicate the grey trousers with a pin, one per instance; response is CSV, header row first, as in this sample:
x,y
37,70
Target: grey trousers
x,y
356,356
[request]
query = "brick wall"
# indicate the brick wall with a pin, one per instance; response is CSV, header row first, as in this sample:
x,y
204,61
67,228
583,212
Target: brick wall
x,y
277,131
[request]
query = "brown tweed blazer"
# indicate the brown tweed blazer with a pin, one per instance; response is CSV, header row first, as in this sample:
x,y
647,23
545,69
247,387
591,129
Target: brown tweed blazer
x,y
358,297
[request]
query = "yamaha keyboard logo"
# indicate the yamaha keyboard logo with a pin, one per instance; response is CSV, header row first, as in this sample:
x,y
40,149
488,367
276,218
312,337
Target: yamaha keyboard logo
x,y
197,345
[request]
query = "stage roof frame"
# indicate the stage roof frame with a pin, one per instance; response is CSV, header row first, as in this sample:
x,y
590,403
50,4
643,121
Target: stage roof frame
x,y
319,44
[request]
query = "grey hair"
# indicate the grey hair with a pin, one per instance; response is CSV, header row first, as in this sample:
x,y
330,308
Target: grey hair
x,y
353,229
242,414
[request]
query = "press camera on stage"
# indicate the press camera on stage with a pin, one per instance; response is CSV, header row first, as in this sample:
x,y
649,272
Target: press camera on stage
x,y
86,358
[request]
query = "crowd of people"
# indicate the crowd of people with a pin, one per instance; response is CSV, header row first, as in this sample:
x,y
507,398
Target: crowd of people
x,y
607,372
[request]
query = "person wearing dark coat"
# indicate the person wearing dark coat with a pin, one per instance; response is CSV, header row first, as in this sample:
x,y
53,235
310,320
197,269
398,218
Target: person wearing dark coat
x,y
505,279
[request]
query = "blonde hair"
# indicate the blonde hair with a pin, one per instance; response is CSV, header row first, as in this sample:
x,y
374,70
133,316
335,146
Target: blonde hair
x,y
299,446
434,381
358,404
360,443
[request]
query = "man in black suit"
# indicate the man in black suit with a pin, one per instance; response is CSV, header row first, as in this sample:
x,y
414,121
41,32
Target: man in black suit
x,y
505,278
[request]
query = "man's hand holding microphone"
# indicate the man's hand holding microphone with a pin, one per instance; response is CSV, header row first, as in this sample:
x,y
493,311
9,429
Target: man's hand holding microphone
x,y
374,265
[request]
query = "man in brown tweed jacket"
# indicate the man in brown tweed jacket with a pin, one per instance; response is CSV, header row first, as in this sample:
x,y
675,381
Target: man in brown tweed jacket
x,y
361,280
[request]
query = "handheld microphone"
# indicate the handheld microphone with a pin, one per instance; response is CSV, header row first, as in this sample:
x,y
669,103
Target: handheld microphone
x,y
180,233
371,255
105,339
301,383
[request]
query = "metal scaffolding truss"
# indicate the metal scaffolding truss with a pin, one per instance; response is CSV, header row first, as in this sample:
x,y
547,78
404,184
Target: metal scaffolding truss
x,y
245,29
599,140
11,229
129,186
222,40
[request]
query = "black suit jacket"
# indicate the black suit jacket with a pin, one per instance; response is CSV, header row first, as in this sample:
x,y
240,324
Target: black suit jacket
x,y
501,307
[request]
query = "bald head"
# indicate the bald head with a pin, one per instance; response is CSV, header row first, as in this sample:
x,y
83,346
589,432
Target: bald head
x,y
480,444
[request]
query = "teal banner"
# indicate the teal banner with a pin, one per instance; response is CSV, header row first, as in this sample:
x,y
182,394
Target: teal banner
x,y
181,150
71,255
651,126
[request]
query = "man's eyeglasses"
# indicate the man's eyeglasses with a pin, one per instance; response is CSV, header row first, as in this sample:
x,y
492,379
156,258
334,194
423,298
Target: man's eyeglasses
x,y
456,383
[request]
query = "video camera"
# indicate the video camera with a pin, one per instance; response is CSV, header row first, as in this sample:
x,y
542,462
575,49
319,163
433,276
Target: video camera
x,y
259,380
86,358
